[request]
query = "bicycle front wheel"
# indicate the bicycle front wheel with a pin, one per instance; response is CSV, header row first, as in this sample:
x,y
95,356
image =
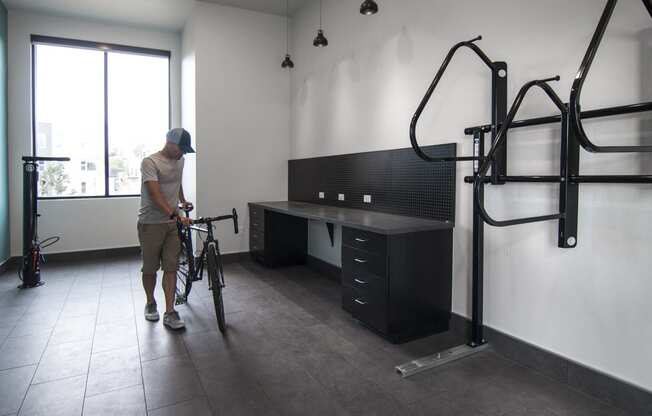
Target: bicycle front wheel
x,y
186,270
216,276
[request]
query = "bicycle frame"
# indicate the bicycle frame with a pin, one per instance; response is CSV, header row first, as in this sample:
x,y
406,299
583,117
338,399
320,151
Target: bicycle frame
x,y
210,239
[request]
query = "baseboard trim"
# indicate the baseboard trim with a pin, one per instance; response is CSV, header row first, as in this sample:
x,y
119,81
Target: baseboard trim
x,y
331,271
108,253
235,257
595,383
84,255
9,265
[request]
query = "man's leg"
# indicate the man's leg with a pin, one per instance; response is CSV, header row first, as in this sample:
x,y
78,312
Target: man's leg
x,y
151,243
170,262
170,289
149,283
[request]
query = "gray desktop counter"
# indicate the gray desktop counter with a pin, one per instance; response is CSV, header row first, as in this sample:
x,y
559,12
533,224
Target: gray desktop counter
x,y
374,221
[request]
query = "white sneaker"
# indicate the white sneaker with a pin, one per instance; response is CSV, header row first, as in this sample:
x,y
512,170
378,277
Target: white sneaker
x,y
173,321
151,313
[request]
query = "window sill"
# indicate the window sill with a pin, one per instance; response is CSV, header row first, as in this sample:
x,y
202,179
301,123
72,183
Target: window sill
x,y
58,198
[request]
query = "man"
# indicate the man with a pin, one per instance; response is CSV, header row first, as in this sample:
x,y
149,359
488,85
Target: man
x,y
161,191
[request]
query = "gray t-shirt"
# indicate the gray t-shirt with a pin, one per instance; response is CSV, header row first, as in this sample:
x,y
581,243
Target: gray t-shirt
x,y
167,172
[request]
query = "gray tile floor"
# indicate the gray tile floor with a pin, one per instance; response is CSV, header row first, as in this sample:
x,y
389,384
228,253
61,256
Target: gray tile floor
x,y
79,345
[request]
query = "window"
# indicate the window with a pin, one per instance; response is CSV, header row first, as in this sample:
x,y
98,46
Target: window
x,y
104,106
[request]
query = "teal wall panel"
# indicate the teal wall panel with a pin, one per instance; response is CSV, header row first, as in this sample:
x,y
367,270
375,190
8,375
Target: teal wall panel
x,y
4,165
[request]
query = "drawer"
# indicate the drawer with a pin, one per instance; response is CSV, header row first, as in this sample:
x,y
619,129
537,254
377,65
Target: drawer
x,y
367,284
364,264
256,240
257,224
364,240
256,217
368,310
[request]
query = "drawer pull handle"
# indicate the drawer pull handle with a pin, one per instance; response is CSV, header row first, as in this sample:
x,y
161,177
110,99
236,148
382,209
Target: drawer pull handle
x,y
362,282
360,302
361,240
255,224
360,260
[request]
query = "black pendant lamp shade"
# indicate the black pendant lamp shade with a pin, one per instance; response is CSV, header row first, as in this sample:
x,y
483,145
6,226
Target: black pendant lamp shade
x,y
320,40
369,7
287,62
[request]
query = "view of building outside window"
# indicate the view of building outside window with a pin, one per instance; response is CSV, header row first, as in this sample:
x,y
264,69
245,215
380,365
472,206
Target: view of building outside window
x,y
70,118
138,116
69,105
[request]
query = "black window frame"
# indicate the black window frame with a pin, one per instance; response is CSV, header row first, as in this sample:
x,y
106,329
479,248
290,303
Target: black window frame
x,y
106,48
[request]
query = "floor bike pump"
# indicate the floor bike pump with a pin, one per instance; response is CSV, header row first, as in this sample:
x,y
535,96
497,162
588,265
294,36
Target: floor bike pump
x,y
30,267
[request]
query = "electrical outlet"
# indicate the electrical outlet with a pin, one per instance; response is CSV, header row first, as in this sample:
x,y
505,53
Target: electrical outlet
x,y
340,197
321,195
366,199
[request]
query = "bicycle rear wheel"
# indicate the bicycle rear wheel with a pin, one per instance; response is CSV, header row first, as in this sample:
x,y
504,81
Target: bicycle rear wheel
x,y
216,276
186,271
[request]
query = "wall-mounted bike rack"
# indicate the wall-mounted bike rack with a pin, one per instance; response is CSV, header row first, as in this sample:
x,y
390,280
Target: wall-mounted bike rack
x,y
573,136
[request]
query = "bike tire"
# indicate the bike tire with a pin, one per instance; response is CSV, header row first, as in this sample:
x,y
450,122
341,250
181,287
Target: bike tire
x,y
186,270
190,258
216,277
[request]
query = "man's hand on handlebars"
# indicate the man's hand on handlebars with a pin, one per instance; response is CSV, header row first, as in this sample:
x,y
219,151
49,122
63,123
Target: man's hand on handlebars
x,y
185,221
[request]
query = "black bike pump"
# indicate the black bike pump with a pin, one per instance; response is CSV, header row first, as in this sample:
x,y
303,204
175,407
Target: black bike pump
x,y
30,267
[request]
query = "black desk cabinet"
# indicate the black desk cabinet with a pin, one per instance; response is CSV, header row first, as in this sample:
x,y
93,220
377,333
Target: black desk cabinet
x,y
277,239
398,285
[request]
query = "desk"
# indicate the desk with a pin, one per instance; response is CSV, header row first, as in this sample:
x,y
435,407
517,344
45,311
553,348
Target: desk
x,y
396,270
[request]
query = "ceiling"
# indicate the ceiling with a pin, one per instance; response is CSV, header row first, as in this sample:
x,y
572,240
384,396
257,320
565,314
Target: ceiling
x,y
265,6
162,14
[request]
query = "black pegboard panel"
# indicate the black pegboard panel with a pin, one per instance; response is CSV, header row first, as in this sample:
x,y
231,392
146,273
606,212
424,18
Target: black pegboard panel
x,y
398,181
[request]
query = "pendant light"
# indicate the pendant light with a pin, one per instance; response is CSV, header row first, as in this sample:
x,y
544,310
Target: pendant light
x,y
320,40
287,62
368,7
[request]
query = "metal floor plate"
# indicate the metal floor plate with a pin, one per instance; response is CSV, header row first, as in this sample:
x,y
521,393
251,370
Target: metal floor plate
x,y
438,359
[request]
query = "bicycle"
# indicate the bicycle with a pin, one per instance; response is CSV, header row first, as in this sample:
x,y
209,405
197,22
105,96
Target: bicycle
x,y
191,268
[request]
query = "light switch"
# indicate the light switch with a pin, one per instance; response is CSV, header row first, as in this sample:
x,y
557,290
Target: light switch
x,y
340,197
366,199
321,195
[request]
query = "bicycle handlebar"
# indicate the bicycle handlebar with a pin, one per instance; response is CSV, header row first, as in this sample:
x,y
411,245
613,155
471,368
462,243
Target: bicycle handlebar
x,y
209,220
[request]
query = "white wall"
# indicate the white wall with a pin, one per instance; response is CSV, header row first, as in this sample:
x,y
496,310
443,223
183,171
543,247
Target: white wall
x,y
590,303
188,105
89,224
242,113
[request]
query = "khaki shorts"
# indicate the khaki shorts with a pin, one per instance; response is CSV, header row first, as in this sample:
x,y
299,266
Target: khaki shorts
x,y
160,246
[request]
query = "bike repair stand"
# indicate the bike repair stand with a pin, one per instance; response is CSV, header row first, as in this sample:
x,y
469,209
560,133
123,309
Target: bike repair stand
x,y
31,264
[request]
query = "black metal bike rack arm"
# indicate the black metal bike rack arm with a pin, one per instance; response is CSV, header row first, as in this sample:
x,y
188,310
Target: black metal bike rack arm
x,y
597,113
500,137
578,83
636,179
422,105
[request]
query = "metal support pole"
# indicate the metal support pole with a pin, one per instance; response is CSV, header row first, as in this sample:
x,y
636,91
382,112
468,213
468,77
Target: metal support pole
x,y
477,335
477,342
498,115
568,189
